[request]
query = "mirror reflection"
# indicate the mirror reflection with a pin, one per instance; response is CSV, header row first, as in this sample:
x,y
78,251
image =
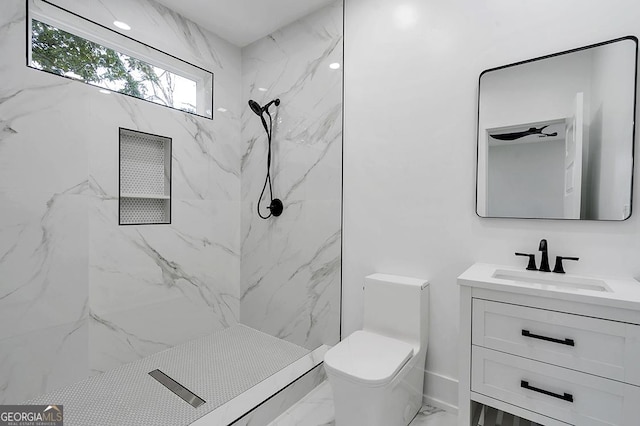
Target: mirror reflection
x,y
555,135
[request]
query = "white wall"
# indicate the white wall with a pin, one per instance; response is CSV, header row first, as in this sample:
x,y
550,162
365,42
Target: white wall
x,y
526,179
411,74
612,76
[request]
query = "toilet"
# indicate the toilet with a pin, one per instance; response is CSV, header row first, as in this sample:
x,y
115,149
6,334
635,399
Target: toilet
x,y
377,373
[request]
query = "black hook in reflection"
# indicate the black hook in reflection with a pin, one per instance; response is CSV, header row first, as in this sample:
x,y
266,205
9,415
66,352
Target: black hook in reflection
x,y
518,135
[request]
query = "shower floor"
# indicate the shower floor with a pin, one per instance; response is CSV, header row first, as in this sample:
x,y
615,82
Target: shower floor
x,y
216,368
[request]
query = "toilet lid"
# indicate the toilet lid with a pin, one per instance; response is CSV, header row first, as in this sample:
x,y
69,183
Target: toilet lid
x,y
368,357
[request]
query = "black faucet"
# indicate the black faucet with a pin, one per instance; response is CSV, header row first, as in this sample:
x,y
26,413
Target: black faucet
x,y
544,262
532,261
558,269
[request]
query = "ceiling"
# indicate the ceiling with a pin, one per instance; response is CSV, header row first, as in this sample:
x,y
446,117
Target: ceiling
x,y
242,22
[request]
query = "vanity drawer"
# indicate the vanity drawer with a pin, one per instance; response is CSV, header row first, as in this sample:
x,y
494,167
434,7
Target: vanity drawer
x,y
605,348
566,395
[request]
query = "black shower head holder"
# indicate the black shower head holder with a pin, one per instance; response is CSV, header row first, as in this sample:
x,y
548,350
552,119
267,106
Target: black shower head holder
x,y
258,110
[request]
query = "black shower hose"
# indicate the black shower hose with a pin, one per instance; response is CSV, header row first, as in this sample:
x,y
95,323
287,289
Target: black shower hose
x,y
267,180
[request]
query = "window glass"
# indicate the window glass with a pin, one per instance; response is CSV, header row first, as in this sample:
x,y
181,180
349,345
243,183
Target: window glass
x,y
60,52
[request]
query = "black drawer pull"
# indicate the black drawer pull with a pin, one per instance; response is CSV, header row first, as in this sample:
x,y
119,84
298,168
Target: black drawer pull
x,y
565,397
568,342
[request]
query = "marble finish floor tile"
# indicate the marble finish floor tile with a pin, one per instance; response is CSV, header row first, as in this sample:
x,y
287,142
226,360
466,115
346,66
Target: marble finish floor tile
x,y
316,409
428,416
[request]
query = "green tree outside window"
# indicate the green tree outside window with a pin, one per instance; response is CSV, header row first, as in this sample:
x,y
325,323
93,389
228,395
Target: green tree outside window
x,y
63,53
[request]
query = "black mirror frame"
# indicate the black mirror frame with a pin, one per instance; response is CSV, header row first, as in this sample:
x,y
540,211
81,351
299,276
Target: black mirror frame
x,y
633,141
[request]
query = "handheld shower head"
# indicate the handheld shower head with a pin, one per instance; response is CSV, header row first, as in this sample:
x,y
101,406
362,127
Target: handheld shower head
x,y
255,107
275,207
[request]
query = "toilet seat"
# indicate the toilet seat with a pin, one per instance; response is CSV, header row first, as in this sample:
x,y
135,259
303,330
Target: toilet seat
x,y
368,358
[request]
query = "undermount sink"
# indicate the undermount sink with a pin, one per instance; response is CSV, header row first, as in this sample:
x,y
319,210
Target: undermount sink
x,y
617,292
552,280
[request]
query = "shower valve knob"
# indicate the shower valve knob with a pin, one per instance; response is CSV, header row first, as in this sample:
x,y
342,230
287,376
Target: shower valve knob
x,y
276,207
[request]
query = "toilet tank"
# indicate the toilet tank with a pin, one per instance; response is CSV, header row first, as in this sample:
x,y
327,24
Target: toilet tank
x,y
397,307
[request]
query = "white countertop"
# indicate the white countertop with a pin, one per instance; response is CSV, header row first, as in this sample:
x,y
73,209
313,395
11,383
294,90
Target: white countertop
x,y
624,292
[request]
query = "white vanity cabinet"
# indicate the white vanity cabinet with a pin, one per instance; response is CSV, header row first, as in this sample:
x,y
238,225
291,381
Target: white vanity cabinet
x,y
549,348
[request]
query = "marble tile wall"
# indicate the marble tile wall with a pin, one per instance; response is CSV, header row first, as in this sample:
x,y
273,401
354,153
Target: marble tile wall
x,y
78,293
290,267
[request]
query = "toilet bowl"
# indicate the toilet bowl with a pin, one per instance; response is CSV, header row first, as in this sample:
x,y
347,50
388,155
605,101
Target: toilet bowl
x,y
377,373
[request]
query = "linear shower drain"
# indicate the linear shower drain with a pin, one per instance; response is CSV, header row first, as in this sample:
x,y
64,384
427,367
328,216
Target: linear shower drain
x,y
189,397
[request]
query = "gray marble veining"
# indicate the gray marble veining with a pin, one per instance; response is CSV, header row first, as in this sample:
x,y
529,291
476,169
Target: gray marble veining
x,y
98,295
290,267
79,294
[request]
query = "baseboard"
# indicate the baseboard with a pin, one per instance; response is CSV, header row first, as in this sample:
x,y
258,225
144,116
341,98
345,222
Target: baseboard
x,y
441,391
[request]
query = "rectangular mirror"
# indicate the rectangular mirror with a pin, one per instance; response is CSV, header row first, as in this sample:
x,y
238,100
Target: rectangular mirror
x,y
556,135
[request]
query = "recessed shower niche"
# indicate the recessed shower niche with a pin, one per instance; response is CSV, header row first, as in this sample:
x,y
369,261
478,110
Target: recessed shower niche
x,y
145,178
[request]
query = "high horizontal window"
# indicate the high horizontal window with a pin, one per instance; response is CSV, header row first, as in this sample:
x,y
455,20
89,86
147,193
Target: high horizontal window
x,y
67,45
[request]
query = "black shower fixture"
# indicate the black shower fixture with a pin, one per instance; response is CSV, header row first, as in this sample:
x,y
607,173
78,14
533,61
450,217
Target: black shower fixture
x,y
255,107
518,135
275,206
